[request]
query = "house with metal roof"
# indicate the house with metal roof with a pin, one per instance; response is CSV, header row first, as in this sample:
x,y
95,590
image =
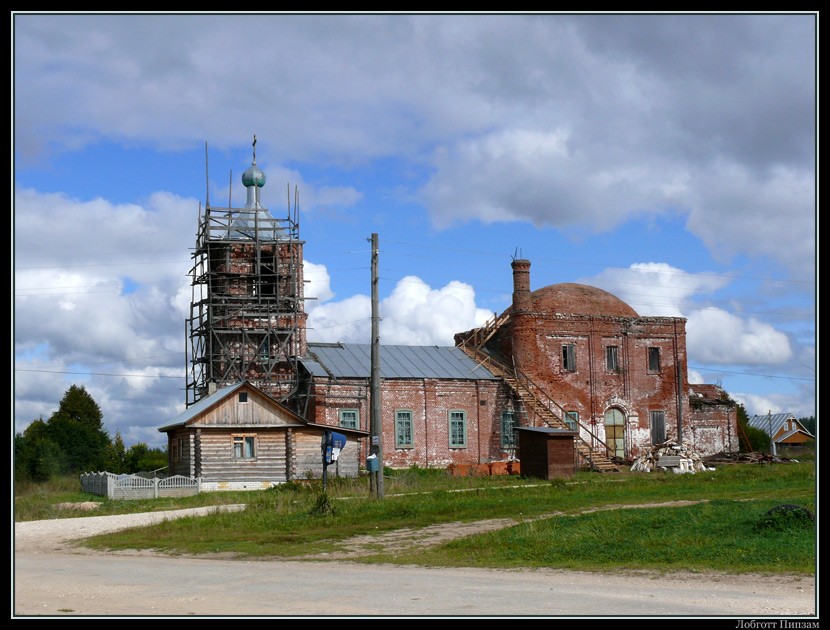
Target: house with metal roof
x,y
783,428
444,407
240,438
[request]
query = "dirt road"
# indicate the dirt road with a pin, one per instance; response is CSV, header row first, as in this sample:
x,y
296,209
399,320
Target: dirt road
x,y
54,578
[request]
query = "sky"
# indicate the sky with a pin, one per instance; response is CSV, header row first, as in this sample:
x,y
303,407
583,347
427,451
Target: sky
x,y
670,159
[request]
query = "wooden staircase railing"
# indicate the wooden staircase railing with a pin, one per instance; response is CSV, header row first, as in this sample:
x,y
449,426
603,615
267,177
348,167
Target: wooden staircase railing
x,y
537,404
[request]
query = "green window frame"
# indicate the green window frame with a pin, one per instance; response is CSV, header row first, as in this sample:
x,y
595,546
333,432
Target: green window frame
x,y
572,419
403,428
508,429
458,428
349,418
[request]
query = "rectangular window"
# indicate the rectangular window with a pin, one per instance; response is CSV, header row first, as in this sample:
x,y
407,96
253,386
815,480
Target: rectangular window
x,y
654,359
657,420
508,426
612,358
176,449
458,429
569,357
243,397
572,419
244,447
348,418
403,429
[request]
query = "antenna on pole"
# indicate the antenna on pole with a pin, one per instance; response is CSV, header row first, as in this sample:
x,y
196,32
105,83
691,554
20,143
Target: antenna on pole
x,y
207,179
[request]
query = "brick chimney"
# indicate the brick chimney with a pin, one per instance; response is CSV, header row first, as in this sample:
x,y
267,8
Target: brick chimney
x,y
523,329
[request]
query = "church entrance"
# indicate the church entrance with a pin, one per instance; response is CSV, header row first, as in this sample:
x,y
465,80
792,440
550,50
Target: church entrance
x,y
615,431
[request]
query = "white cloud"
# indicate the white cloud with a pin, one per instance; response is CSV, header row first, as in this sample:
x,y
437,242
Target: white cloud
x,y
318,285
717,337
657,289
413,314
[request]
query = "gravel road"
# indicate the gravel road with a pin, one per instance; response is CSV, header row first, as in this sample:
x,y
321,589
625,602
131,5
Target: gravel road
x,y
54,578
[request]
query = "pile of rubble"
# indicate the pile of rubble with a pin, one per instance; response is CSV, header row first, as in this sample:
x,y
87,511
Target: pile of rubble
x,y
678,458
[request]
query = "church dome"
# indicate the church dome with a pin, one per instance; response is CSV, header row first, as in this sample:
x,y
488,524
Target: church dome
x,y
253,177
569,298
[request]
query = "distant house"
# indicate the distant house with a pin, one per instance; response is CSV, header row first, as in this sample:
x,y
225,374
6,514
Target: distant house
x,y
783,428
239,438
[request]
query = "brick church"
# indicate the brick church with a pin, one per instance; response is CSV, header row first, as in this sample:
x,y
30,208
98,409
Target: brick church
x,y
566,356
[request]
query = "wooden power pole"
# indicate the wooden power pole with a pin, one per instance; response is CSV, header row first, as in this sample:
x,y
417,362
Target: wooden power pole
x,y
375,420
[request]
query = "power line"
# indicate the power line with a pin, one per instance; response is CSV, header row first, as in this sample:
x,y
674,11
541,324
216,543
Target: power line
x,y
98,373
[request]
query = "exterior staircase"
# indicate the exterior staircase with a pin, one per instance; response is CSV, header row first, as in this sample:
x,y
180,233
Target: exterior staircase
x,y
541,410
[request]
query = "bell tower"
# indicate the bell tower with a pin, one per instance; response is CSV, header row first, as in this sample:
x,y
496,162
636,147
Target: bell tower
x,y
247,318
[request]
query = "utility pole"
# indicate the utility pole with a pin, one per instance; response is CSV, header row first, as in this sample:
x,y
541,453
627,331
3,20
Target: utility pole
x,y
375,421
771,436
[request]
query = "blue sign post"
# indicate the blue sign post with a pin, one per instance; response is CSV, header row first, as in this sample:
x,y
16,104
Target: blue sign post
x,y
330,447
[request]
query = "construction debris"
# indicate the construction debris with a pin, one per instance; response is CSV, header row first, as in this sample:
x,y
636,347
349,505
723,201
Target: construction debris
x,y
678,458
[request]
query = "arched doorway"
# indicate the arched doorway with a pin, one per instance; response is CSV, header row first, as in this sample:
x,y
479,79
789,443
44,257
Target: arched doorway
x,y
615,431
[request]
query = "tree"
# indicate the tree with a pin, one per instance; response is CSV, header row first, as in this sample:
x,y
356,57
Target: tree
x,y
117,456
78,405
809,423
750,439
77,428
37,456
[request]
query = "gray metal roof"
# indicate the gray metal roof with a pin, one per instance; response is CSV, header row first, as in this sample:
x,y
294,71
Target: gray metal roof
x,y
772,423
351,360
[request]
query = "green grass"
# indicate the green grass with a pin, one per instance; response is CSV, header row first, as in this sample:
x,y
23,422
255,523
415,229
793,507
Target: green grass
x,y
583,527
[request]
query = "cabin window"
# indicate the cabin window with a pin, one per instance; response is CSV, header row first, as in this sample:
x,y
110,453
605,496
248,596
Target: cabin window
x,y
349,418
403,428
176,447
657,421
243,397
654,359
458,429
244,446
508,429
569,357
612,358
572,419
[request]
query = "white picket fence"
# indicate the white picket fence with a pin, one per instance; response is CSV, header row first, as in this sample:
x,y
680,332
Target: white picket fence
x,y
114,486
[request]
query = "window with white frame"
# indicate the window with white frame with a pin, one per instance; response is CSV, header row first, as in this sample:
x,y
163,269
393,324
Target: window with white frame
x,y
244,446
508,428
403,428
458,428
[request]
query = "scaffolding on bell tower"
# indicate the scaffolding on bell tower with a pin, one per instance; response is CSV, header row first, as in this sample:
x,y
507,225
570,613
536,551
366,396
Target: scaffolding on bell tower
x,y
247,318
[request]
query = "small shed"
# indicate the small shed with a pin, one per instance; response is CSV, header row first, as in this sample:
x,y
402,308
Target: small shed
x,y
547,452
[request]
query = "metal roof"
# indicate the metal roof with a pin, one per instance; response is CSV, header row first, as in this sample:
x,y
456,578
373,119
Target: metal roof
x,y
772,423
351,360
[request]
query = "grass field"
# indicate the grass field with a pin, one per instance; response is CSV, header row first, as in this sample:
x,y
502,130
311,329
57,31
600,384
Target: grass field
x,y
717,520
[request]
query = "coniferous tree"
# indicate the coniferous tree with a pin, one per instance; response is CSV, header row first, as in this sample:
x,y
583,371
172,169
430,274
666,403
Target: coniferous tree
x,y
77,428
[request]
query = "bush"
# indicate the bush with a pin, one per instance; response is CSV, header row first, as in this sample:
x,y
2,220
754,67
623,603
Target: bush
x,y
784,518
